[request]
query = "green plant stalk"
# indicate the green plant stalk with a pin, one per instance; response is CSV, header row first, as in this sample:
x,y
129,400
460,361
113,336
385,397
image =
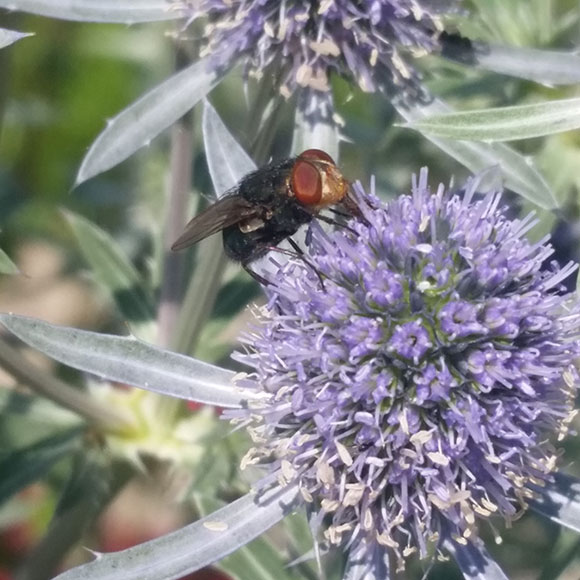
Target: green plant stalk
x,y
173,266
201,294
174,262
180,185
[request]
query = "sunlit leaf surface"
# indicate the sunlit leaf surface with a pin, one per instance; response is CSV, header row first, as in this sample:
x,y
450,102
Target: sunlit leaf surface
x,y
128,360
147,117
8,37
192,547
258,560
541,66
227,160
504,124
518,172
125,11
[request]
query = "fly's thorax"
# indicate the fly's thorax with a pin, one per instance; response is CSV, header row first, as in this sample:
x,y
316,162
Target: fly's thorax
x,y
266,187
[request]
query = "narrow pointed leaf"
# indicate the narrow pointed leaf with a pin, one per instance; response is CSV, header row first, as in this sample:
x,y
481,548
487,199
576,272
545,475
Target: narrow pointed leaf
x,y
114,272
135,126
474,561
227,160
560,501
506,123
542,66
24,466
520,176
258,560
314,125
125,11
8,37
128,360
193,547
7,266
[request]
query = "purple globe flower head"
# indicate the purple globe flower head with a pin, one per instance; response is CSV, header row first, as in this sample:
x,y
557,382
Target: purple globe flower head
x,y
423,388
306,41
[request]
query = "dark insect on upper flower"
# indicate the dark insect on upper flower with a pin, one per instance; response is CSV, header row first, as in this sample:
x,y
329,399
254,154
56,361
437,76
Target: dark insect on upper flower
x,y
416,393
366,41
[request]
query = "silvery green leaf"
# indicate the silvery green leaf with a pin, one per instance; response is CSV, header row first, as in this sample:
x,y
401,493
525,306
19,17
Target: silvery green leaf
x,y
542,66
124,11
128,360
314,124
135,126
559,501
115,273
192,547
258,560
520,176
474,561
227,160
8,37
505,123
22,467
7,266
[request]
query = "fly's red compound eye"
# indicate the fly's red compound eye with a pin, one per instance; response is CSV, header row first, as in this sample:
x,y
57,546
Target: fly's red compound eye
x,y
317,155
306,182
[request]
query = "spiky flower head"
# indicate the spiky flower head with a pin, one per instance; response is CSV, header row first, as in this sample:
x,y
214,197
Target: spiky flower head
x,y
367,41
417,391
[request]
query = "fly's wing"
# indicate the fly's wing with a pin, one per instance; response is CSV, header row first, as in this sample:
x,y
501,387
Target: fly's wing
x,y
225,212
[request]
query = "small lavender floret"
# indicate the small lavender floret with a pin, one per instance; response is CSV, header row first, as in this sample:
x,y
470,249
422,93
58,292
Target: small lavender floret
x,y
417,392
365,40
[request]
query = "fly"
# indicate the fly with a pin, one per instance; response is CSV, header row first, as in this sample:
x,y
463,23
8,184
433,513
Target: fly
x,y
270,205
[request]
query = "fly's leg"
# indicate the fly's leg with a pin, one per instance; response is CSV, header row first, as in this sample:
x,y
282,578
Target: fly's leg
x,y
300,253
260,279
329,220
352,207
297,253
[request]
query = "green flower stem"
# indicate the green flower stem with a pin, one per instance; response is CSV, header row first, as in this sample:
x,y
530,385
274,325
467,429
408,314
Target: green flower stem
x,y
174,262
177,204
173,268
106,418
201,294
